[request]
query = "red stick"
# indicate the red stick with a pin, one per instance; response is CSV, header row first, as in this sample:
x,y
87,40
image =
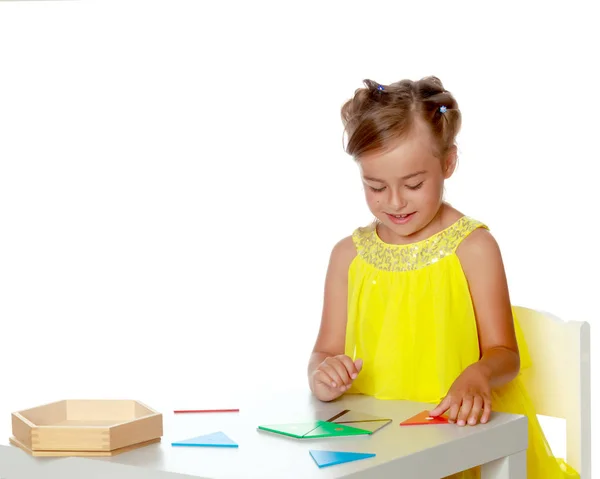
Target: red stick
x,y
181,411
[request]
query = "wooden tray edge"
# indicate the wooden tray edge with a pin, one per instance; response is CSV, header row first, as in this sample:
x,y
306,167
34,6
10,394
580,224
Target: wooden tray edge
x,y
17,443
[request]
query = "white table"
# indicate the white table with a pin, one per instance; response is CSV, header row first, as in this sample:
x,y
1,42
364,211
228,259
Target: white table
x,y
428,452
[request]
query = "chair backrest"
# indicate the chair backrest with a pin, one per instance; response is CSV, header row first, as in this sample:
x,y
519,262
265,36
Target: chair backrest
x,y
559,378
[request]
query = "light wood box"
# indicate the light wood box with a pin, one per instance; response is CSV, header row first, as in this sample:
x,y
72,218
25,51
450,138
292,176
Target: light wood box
x,y
86,427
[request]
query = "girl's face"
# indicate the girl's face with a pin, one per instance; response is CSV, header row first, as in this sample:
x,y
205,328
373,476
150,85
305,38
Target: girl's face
x,y
404,186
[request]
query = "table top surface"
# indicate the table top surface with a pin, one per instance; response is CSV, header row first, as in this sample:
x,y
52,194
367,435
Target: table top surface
x,y
267,455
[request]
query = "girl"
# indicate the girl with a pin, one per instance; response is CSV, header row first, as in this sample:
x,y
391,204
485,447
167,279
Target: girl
x,y
416,305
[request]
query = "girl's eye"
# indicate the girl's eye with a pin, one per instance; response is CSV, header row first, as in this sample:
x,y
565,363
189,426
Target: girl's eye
x,y
377,190
415,187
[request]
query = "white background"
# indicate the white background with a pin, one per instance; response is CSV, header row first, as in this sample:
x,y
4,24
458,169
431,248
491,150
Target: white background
x,y
172,178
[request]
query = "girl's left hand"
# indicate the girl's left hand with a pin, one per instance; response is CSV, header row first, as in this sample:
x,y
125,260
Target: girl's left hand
x,y
469,398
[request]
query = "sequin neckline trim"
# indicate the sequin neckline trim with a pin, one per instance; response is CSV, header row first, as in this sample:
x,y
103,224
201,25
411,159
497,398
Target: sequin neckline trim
x,y
409,257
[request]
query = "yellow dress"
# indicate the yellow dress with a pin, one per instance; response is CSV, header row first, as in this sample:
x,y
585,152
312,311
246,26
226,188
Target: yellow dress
x,y
411,320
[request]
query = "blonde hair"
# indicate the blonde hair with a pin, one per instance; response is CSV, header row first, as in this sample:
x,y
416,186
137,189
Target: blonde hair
x,y
380,114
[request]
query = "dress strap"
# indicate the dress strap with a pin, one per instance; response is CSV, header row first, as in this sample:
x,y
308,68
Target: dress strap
x,y
463,228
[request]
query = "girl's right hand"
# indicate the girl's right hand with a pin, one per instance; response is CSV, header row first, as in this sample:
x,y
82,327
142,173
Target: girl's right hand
x,y
334,376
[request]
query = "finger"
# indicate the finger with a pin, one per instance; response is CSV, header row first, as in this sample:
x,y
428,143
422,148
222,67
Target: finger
x,y
441,408
487,410
476,410
341,370
336,381
323,378
465,410
359,364
453,411
350,367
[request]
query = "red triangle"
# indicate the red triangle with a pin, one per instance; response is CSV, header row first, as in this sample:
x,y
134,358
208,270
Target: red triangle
x,y
422,419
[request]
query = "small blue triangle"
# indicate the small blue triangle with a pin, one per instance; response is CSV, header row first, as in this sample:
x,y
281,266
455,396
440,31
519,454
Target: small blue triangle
x,y
216,439
332,458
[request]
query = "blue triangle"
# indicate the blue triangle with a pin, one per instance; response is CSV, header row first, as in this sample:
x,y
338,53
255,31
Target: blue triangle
x,y
216,439
332,458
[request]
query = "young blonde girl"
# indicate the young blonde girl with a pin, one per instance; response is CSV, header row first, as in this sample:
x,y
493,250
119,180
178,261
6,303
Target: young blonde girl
x,y
416,304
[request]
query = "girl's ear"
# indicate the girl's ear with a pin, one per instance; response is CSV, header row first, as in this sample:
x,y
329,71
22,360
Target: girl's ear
x,y
450,162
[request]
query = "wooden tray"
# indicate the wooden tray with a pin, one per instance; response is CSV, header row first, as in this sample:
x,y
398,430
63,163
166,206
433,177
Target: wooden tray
x,y
86,427
114,452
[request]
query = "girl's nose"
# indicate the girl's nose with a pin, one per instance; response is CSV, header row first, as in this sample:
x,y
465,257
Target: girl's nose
x,y
396,200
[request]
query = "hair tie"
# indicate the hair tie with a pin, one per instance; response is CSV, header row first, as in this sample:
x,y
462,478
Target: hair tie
x,y
443,109
380,88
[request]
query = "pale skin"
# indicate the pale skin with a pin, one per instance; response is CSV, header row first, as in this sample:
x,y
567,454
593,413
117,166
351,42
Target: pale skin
x,y
408,178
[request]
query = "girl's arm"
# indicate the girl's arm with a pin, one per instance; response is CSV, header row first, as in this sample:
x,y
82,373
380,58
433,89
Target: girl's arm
x,y
482,263
330,371
499,363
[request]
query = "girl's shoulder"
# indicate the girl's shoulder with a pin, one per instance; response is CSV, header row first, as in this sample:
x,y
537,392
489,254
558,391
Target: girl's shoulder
x,y
342,254
478,244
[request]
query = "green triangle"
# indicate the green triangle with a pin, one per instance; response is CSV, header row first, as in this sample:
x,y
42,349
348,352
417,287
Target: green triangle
x,y
329,429
297,430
